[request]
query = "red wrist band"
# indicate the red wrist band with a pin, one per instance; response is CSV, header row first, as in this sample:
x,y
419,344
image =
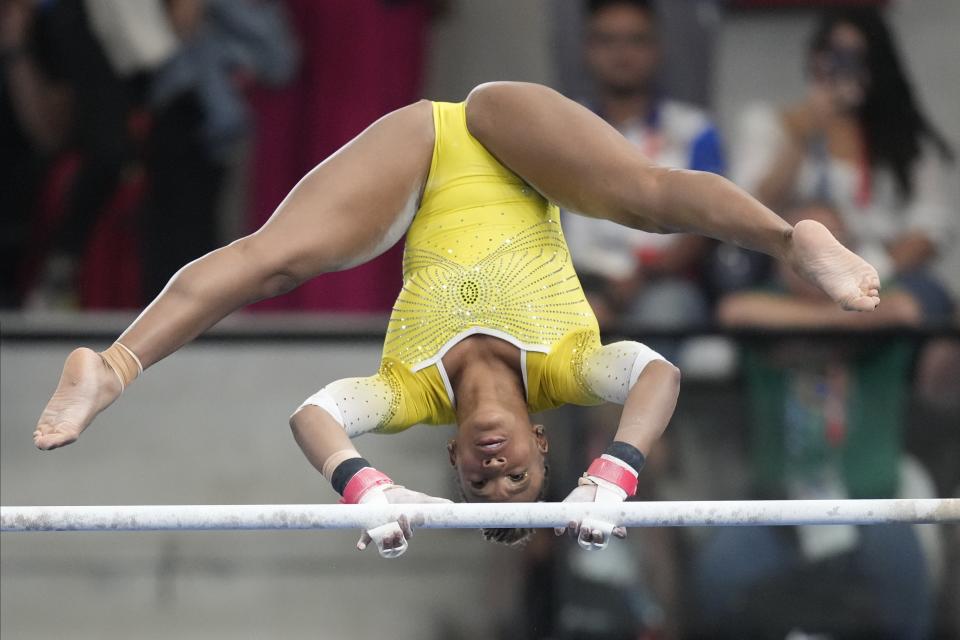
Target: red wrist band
x,y
361,482
615,473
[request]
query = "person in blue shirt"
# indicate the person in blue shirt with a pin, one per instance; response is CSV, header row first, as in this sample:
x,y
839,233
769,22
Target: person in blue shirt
x,y
644,277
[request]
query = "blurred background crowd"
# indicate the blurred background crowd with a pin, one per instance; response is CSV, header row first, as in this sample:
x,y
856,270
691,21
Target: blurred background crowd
x,y
137,135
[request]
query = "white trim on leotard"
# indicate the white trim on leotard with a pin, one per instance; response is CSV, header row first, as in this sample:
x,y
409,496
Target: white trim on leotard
x,y
446,383
472,331
523,372
452,342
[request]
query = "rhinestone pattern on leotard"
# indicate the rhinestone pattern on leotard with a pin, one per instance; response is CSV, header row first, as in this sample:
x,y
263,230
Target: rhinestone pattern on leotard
x,y
364,403
608,371
525,287
587,343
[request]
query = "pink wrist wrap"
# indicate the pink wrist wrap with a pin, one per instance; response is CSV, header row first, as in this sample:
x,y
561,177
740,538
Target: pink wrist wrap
x,y
618,474
361,482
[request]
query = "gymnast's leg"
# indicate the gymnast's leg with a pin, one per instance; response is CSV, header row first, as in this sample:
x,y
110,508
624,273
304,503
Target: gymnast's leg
x,y
347,210
583,164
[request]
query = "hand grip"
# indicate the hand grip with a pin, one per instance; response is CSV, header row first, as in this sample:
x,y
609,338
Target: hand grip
x,y
388,531
587,527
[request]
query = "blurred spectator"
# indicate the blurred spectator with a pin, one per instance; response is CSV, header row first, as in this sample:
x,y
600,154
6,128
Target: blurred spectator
x,y
34,111
360,60
827,423
156,105
860,142
102,101
199,115
630,274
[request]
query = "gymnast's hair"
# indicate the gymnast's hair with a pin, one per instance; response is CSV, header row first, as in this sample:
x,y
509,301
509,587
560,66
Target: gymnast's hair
x,y
514,536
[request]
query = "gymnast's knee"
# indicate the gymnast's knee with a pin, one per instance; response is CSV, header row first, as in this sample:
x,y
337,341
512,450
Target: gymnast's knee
x,y
280,268
640,198
488,100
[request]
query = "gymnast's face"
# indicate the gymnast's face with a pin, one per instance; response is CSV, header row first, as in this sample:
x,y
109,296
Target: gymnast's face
x,y
499,459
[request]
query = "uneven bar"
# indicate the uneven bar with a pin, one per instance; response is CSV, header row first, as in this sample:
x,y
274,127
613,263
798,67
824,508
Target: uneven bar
x,y
475,515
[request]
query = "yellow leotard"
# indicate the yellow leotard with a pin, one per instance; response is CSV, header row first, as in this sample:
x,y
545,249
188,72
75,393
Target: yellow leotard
x,y
484,254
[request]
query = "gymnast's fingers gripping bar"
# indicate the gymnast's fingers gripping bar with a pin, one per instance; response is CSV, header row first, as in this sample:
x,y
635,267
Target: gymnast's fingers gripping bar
x,y
475,515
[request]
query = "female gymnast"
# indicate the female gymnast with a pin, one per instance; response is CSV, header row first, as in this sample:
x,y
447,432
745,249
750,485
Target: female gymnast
x,y
491,323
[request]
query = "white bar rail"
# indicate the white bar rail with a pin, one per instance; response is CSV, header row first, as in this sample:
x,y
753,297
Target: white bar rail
x,y
476,515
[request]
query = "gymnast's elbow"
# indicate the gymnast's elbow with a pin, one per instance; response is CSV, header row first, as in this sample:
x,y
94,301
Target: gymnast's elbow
x,y
668,373
303,423
296,420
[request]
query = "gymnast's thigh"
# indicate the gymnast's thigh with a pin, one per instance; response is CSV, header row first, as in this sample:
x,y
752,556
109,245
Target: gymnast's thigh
x,y
562,149
358,202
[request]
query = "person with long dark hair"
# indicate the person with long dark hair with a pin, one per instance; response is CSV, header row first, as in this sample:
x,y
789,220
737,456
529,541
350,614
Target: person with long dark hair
x,y
860,143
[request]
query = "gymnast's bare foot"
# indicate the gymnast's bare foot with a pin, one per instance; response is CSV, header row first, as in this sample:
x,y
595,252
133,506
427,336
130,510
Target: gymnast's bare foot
x,y
87,387
843,275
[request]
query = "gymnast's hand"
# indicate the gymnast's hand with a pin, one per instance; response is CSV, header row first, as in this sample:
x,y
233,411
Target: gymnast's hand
x,y
391,538
592,533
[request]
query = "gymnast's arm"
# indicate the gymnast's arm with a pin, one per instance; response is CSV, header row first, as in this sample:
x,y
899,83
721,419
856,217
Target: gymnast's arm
x,y
326,422
649,405
324,426
647,385
644,382
320,437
